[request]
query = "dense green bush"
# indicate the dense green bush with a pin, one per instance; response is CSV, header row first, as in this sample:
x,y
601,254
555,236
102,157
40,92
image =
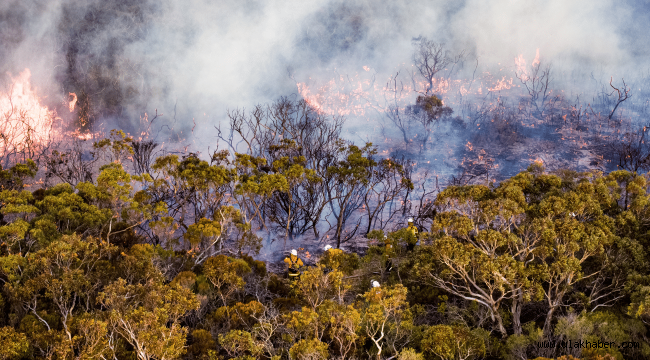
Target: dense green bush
x,y
162,266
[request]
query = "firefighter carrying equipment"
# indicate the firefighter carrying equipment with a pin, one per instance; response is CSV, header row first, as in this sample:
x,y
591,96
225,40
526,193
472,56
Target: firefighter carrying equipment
x,y
294,263
412,227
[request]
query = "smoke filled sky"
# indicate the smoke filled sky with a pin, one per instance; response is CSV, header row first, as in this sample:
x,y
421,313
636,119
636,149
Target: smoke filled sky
x,y
196,57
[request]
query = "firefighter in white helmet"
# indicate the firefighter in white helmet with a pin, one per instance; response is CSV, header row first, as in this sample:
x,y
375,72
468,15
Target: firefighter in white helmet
x,y
412,240
412,227
294,263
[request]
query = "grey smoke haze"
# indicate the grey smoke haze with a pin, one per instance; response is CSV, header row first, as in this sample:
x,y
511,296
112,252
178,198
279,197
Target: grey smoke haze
x,y
196,58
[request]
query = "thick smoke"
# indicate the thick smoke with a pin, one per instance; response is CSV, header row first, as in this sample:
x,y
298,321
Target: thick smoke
x,y
193,59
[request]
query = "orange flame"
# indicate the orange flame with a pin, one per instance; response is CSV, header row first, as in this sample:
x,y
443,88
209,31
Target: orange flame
x,y
536,60
24,122
522,69
502,84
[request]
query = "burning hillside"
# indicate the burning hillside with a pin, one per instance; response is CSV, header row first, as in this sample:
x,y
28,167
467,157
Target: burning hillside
x,y
493,125
324,179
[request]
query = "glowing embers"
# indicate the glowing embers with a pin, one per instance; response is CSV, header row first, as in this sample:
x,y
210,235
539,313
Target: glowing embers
x,y
502,84
364,93
358,94
343,95
26,126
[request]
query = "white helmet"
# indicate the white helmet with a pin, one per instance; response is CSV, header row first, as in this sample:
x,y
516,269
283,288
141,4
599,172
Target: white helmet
x,y
410,220
375,284
294,252
327,247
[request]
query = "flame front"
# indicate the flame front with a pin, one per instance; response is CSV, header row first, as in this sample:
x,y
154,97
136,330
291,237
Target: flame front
x,y
26,125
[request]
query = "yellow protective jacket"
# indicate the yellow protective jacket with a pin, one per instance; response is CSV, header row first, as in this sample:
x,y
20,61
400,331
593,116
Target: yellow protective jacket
x,y
294,264
413,229
389,251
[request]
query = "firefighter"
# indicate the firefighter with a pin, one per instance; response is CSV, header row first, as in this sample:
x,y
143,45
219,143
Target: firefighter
x,y
294,263
410,244
412,227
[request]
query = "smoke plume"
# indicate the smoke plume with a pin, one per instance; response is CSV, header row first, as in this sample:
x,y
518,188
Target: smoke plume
x,y
193,59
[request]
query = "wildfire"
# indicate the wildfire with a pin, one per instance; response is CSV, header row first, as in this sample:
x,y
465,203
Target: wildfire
x,y
522,69
440,86
355,95
478,102
26,124
502,84
82,136
341,95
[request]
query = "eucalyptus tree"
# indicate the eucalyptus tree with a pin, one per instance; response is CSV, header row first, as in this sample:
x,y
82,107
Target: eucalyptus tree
x,y
350,177
148,316
388,180
528,239
289,134
384,314
475,245
62,279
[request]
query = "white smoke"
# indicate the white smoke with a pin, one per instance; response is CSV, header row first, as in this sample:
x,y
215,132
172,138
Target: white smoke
x,y
193,59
